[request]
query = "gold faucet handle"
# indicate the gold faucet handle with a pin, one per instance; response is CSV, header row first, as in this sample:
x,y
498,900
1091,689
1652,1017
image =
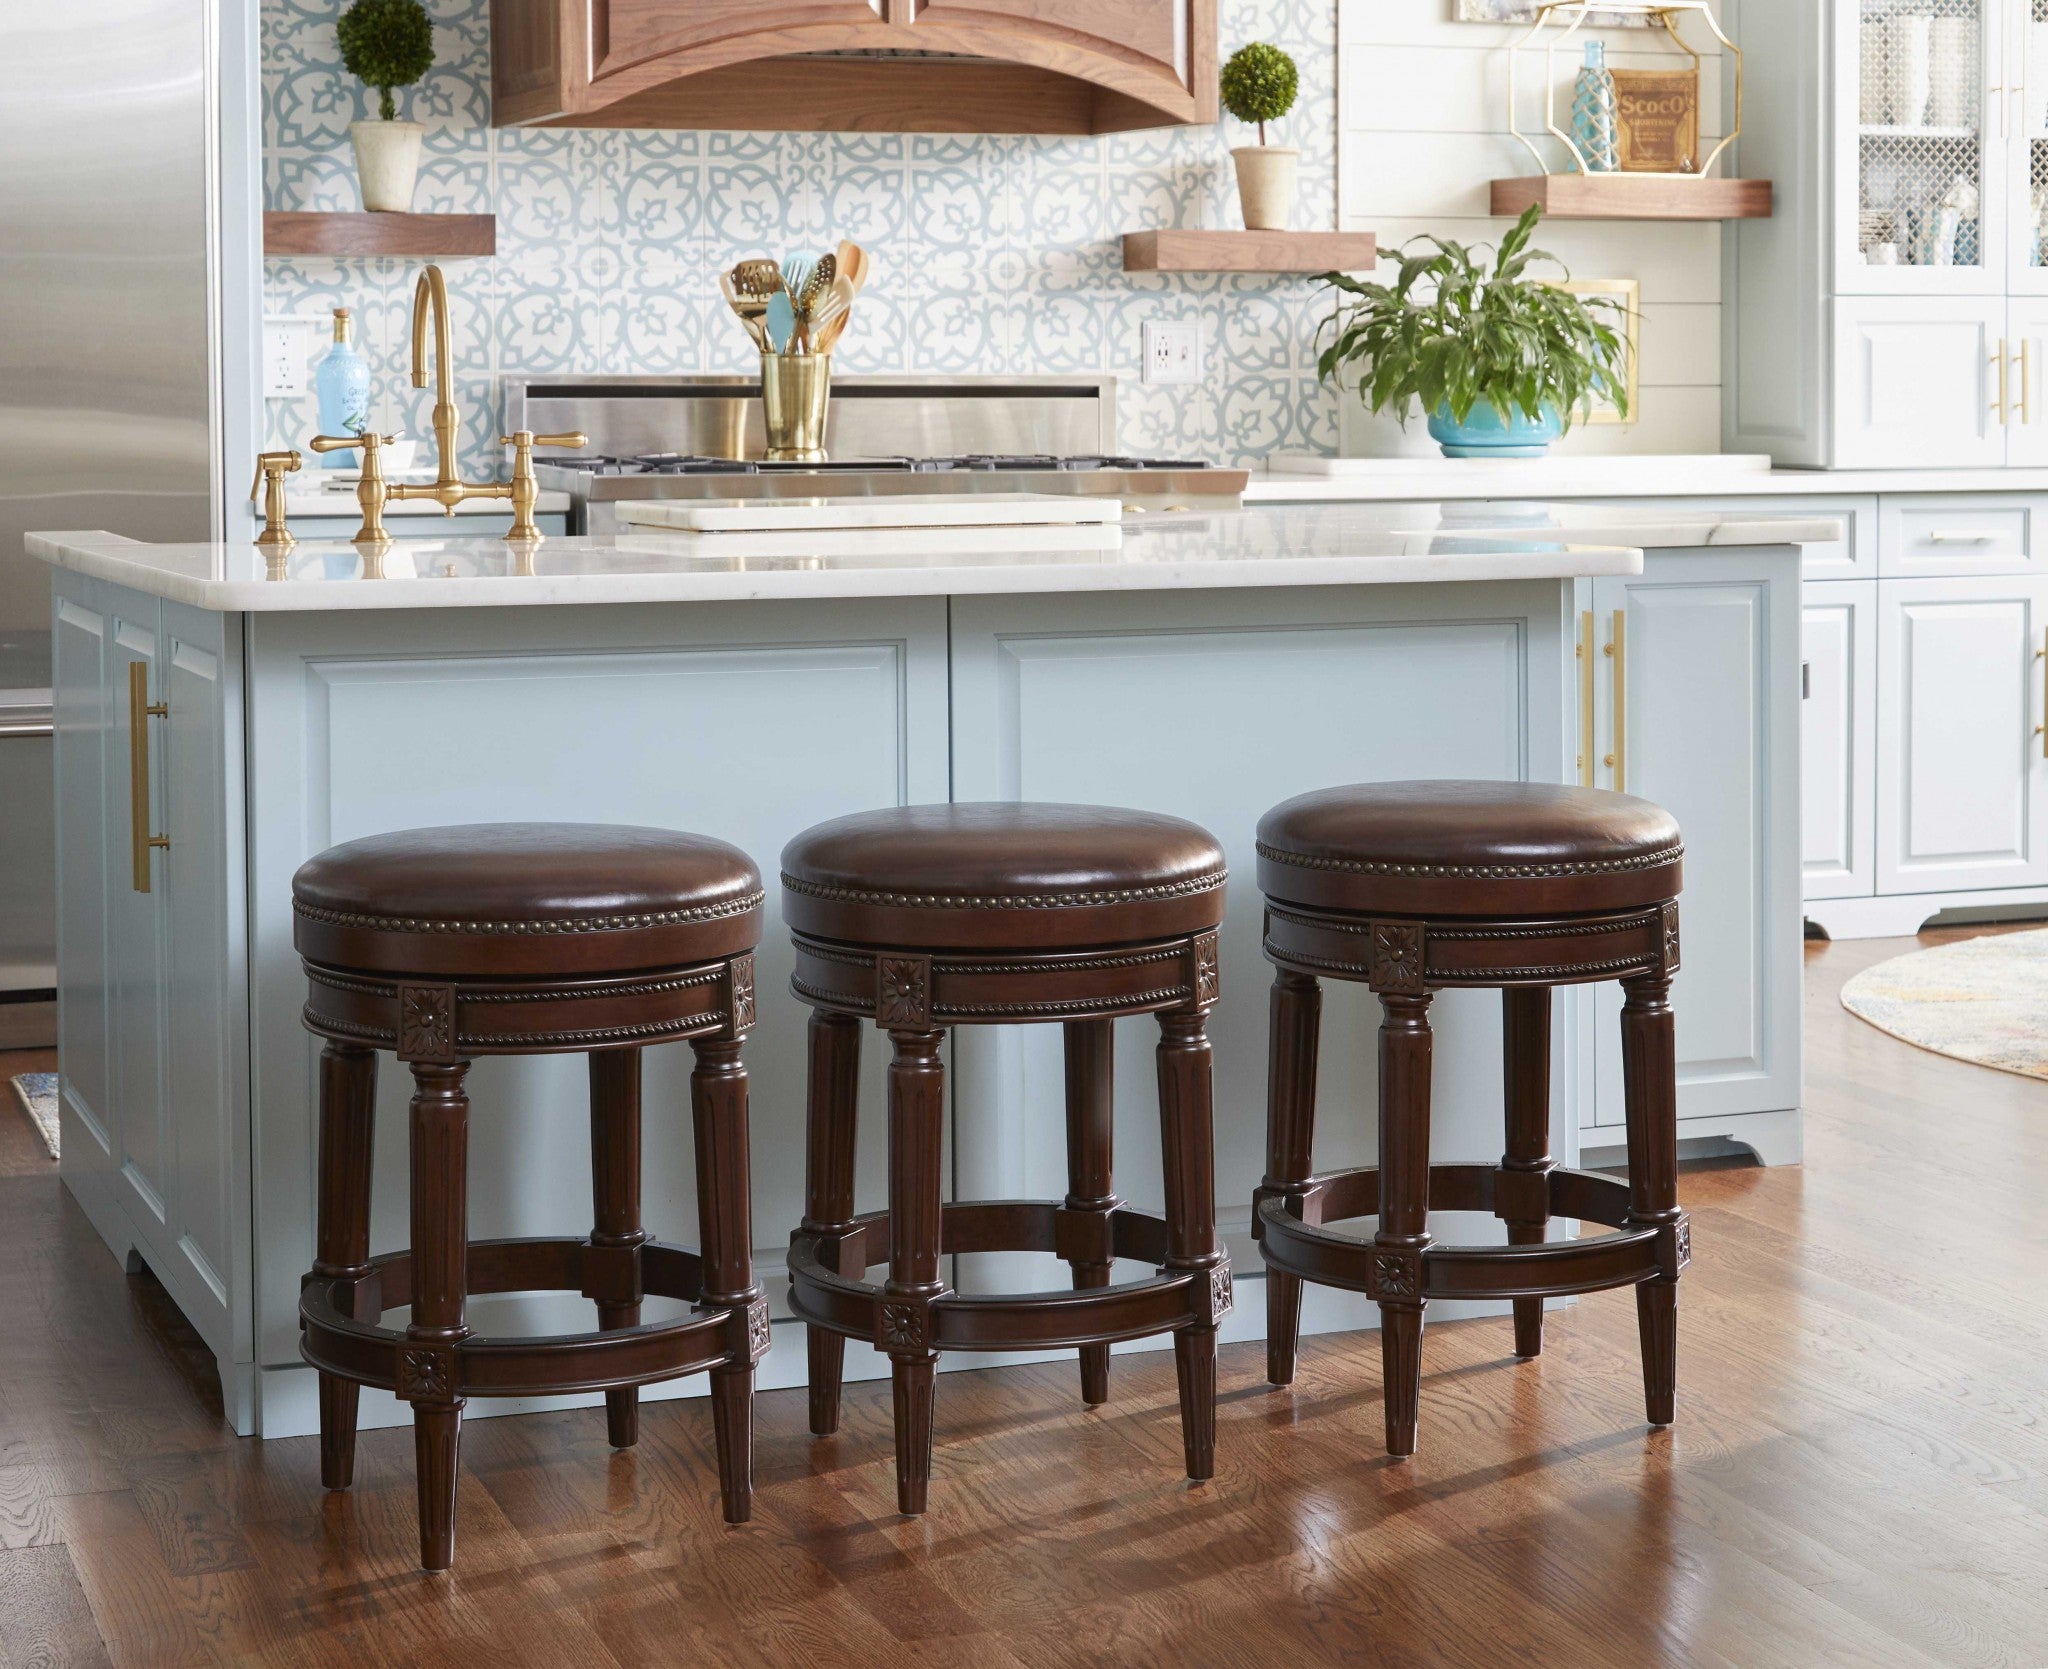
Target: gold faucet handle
x,y
526,437
275,465
369,441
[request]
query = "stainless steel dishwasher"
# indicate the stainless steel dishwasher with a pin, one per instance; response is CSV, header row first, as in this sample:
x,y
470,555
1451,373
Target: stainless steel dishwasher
x,y
28,846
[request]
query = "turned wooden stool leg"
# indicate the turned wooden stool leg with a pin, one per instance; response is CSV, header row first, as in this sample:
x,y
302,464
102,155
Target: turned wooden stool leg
x,y
917,1115
1649,1074
1090,1117
348,1127
615,1177
1525,1015
1404,1209
833,1117
1296,1021
718,1104
440,1254
1188,1149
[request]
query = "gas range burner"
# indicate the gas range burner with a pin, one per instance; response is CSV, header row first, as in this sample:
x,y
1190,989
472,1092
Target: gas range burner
x,y
1018,463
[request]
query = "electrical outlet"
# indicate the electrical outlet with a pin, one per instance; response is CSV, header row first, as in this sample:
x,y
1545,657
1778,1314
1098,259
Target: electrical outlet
x,y
285,352
1173,350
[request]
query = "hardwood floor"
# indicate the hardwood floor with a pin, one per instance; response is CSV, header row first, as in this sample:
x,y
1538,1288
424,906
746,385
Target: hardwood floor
x,y
1859,1475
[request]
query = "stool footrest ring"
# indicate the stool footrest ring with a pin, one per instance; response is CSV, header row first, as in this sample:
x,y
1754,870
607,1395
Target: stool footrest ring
x,y
845,1303
1289,1228
341,1332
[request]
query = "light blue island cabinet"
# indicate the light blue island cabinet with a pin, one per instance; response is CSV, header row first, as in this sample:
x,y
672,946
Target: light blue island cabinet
x,y
248,715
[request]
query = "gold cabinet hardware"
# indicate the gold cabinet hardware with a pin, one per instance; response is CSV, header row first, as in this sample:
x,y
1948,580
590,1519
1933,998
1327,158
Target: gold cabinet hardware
x,y
371,492
2000,406
271,469
525,489
2026,356
140,711
1586,699
1617,760
2041,730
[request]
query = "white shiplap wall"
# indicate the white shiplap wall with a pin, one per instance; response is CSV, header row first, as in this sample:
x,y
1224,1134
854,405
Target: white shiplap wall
x,y
1422,131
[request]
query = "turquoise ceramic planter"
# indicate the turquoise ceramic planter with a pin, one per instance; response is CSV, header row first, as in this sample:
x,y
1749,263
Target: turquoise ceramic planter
x,y
1484,435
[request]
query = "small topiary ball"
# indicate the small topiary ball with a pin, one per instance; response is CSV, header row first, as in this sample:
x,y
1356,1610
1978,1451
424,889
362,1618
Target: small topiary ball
x,y
1260,84
386,44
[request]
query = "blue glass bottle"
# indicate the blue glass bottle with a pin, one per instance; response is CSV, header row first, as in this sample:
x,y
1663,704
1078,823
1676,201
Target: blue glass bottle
x,y
1593,119
342,383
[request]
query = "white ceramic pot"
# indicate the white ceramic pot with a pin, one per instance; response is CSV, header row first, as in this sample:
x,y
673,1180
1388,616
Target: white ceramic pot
x,y
387,163
1265,185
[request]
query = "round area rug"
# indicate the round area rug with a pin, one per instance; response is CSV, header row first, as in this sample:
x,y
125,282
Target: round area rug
x,y
1982,1000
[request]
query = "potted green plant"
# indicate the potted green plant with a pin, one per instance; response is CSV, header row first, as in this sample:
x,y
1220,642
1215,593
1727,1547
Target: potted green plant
x,y
1501,362
386,44
1259,85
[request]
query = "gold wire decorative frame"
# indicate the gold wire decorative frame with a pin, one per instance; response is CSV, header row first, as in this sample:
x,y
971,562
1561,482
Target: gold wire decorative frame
x,y
1664,14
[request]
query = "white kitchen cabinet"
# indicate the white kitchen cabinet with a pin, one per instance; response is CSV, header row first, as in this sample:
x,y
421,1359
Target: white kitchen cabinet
x,y
1930,535
151,1094
1962,787
1920,381
2026,328
1838,736
1696,706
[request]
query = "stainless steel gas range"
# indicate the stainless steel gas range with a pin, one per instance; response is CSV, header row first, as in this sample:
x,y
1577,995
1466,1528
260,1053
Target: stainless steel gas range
x,y
700,437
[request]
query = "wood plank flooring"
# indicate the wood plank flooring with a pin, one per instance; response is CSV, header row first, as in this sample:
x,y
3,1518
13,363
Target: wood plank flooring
x,y
1859,1475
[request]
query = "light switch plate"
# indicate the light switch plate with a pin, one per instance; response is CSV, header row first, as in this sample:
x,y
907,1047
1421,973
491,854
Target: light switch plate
x,y
1173,350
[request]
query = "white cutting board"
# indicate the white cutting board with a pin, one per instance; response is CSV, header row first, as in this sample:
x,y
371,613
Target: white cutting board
x,y
906,510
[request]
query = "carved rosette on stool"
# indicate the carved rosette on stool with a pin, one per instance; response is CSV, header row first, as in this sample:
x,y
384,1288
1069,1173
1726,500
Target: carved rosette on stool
x,y
441,945
929,917
1411,888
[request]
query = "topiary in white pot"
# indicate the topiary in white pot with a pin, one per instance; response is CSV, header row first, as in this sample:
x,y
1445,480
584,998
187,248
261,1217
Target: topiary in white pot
x,y
1260,85
387,44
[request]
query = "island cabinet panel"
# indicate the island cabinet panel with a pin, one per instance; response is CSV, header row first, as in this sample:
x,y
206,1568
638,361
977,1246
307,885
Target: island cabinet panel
x,y
153,1090
747,721
1215,706
1696,690
938,66
1838,736
1962,786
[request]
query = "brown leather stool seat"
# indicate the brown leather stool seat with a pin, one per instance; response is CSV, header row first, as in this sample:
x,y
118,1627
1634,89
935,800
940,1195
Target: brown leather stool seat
x,y
445,944
928,917
1413,887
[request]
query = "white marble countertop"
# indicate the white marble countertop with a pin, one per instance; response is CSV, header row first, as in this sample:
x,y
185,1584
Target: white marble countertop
x,y
1334,544
1306,479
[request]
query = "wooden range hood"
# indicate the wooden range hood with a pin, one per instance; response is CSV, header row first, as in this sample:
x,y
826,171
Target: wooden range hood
x,y
883,66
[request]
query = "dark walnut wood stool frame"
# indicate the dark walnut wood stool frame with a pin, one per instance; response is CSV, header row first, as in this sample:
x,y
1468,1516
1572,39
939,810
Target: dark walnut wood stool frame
x,y
1488,914
917,956
440,989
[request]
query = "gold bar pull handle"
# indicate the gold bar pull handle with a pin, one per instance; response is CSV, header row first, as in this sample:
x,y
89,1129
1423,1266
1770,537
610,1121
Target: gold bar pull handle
x,y
2001,407
140,711
1586,699
2026,358
1617,761
2041,730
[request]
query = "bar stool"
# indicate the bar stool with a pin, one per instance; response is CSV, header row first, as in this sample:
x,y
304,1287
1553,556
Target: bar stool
x,y
441,945
929,917
1412,887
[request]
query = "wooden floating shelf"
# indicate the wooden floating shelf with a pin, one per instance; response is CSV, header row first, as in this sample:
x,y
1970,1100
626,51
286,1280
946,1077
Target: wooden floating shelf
x,y
1633,197
1197,251
291,233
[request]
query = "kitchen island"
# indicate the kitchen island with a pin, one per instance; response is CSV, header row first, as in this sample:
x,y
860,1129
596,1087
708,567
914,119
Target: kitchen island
x,y
250,710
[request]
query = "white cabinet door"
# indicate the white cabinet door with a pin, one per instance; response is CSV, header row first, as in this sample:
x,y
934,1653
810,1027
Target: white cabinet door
x,y
1697,711
1838,736
1931,535
1960,778
2026,328
79,654
1920,382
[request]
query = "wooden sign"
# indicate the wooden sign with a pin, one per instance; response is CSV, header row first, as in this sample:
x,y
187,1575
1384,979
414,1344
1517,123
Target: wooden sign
x,y
1658,115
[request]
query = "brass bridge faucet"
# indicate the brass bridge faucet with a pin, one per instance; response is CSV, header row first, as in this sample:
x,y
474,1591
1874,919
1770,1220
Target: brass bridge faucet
x,y
371,492
448,489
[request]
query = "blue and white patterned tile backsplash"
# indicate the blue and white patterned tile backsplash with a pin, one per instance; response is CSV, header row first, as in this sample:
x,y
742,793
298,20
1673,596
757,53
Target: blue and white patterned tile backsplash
x,y
990,255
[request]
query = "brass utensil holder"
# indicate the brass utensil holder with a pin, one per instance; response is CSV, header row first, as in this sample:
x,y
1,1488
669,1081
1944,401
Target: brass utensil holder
x,y
795,391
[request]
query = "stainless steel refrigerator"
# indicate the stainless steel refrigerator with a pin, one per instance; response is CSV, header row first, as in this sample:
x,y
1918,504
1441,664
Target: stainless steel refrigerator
x,y
129,285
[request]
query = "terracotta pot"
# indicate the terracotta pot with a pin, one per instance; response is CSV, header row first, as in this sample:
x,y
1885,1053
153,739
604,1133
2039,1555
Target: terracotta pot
x,y
387,163
1265,185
